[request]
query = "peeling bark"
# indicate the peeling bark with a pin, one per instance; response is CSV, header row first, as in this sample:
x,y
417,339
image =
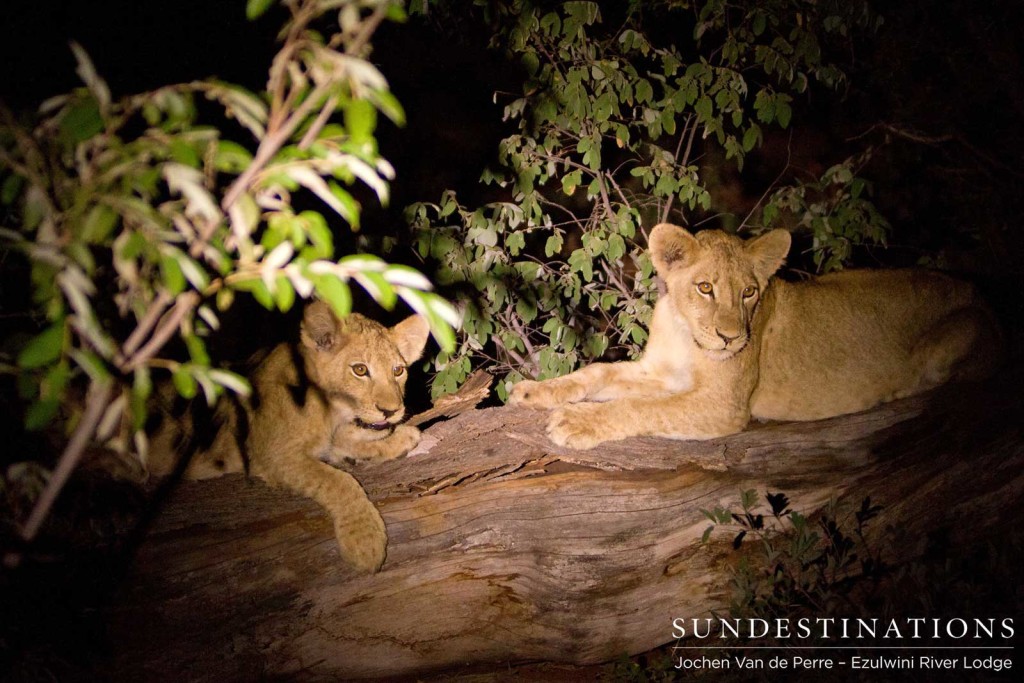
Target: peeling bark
x,y
504,547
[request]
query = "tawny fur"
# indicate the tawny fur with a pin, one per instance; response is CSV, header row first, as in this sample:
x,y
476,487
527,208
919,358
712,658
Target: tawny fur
x,y
335,396
729,343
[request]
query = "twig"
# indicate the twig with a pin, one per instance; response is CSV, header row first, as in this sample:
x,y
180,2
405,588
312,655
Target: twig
x,y
692,125
470,394
96,405
164,331
772,185
321,120
156,309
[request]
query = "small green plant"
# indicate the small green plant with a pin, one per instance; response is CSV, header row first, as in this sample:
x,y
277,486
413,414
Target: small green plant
x,y
797,565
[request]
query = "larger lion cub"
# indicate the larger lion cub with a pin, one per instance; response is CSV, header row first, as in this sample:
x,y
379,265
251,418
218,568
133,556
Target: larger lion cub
x,y
336,396
728,343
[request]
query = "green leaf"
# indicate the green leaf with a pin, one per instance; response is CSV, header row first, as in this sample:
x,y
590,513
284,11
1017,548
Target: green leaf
x,y
43,349
81,121
231,157
751,136
553,245
262,294
91,364
254,9
335,292
515,242
580,261
783,111
526,310
184,382
360,120
98,224
142,388
172,275
704,108
197,350
389,105
570,181
184,153
11,189
396,13
41,413
643,91
616,247
759,23
319,234
284,294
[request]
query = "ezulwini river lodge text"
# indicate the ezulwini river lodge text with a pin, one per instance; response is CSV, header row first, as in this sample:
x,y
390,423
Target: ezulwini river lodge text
x,y
831,628
879,663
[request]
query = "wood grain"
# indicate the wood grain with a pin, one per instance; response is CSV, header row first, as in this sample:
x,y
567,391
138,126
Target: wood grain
x,y
506,548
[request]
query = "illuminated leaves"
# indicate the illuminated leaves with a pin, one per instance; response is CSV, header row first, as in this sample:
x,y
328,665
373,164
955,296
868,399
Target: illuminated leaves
x,y
610,125
142,220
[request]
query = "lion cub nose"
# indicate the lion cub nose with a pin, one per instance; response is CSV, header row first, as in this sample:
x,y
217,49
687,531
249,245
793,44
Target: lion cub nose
x,y
386,412
726,338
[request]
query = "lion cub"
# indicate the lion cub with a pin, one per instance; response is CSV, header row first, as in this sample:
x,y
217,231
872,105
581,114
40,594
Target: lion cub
x,y
729,343
335,396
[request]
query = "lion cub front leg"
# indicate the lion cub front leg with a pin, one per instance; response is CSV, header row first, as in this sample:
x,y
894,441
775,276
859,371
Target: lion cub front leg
x,y
346,446
594,381
688,416
358,527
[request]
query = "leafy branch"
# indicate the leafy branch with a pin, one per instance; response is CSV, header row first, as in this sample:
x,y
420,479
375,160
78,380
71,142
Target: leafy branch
x,y
116,209
612,124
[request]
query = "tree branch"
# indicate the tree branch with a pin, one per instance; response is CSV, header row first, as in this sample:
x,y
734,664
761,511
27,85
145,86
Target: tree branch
x,y
96,404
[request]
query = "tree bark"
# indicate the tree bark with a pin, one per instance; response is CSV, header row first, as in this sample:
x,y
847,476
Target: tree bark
x,y
506,548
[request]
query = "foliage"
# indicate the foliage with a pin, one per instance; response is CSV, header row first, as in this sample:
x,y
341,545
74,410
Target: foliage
x,y
798,565
611,125
835,209
142,220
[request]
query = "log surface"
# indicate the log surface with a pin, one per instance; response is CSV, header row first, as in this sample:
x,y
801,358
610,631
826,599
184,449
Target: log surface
x,y
506,548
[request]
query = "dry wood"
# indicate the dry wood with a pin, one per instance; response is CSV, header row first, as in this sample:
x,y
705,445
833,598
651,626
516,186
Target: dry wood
x,y
504,547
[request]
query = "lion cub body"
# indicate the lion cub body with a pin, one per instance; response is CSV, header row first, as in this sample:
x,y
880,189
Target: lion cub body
x,y
728,344
336,396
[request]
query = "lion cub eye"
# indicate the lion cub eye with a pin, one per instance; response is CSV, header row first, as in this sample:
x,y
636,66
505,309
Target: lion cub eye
x,y
360,370
749,291
705,288
399,370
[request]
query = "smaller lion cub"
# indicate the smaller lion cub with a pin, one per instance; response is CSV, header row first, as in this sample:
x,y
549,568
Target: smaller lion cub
x,y
336,396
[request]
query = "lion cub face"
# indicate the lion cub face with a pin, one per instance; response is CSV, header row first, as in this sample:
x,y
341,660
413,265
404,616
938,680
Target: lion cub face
x,y
715,281
361,366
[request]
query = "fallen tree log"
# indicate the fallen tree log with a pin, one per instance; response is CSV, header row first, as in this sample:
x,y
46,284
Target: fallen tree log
x,y
506,548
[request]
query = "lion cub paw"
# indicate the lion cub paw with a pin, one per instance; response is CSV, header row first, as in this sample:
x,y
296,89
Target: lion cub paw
x,y
540,395
403,439
578,426
363,541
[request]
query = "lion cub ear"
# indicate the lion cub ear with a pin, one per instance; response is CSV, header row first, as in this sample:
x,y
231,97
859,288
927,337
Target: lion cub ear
x,y
670,245
410,336
320,330
768,252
